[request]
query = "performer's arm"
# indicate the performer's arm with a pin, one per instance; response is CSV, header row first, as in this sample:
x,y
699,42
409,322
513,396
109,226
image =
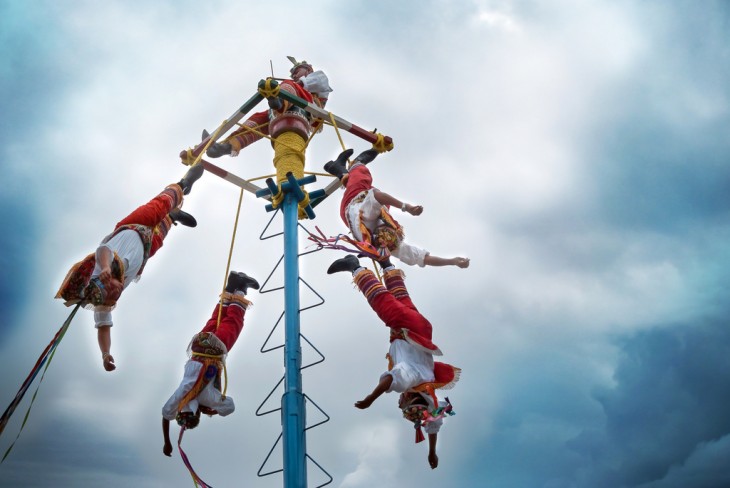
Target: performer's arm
x,y
167,448
433,459
431,260
381,388
104,257
388,199
104,337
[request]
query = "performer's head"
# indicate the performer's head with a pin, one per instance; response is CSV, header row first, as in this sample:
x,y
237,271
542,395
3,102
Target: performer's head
x,y
299,69
414,407
103,293
189,420
386,237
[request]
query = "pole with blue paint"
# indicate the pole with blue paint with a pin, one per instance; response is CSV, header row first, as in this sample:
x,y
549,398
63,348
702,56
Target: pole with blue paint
x,y
293,411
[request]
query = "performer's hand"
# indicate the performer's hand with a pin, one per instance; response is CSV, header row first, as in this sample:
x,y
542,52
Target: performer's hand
x,y
109,362
364,403
433,460
462,262
105,275
414,209
167,449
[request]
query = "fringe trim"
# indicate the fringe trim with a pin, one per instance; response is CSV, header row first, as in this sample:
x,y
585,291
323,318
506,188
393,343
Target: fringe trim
x,y
175,193
233,299
395,283
368,284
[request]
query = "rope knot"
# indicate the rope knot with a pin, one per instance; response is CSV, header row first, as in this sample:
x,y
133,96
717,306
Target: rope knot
x,y
381,145
269,91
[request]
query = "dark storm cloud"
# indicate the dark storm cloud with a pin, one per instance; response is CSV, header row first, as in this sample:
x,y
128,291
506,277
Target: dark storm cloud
x,y
28,61
57,455
668,407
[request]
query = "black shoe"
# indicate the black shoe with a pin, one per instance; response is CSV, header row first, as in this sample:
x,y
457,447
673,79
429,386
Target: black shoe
x,y
366,156
193,175
348,263
184,218
338,167
240,281
217,149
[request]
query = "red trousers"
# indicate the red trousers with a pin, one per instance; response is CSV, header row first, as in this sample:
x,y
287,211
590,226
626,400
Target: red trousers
x,y
230,326
154,214
394,306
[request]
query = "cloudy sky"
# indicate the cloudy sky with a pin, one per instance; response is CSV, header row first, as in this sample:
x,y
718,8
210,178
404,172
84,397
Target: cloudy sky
x,y
577,151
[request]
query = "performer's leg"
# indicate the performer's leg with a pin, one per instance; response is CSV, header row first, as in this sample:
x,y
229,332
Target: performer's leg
x,y
154,211
234,305
242,137
212,322
390,309
395,283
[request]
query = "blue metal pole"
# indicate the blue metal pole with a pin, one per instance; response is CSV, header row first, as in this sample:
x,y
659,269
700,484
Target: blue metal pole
x,y
292,402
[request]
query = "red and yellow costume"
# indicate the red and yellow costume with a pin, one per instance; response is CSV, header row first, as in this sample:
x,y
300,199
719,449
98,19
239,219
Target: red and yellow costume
x,y
151,223
201,383
412,349
257,125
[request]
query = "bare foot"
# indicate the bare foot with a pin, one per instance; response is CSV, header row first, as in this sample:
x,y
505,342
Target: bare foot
x,y
109,363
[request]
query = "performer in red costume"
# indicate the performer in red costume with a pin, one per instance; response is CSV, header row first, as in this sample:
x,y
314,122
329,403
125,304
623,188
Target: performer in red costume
x,y
411,368
364,209
98,280
200,389
312,86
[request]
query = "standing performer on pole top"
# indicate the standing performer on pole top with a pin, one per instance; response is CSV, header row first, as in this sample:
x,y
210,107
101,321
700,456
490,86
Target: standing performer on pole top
x,y
411,368
364,209
98,280
312,86
200,389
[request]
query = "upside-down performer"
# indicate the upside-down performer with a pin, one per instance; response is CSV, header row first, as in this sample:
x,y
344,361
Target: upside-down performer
x,y
365,210
312,86
200,389
412,370
97,281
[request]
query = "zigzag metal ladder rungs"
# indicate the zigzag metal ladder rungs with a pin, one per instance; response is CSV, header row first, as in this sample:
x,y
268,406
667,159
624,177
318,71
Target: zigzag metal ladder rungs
x,y
264,350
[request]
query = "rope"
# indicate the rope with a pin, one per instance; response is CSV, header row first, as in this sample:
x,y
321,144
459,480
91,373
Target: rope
x,y
267,91
213,137
225,279
45,357
337,131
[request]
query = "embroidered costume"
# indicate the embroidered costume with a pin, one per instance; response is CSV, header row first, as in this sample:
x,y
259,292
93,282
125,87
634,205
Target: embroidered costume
x,y
371,222
312,87
410,357
200,387
135,239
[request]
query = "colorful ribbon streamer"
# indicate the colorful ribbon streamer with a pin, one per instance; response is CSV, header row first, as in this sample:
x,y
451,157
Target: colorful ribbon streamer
x,y
45,358
196,479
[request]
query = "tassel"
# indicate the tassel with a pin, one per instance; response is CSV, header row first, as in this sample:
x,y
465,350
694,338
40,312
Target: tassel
x,y
419,433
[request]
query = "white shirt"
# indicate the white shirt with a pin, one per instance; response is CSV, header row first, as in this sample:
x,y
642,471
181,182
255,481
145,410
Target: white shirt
x,y
411,366
128,246
367,211
209,396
